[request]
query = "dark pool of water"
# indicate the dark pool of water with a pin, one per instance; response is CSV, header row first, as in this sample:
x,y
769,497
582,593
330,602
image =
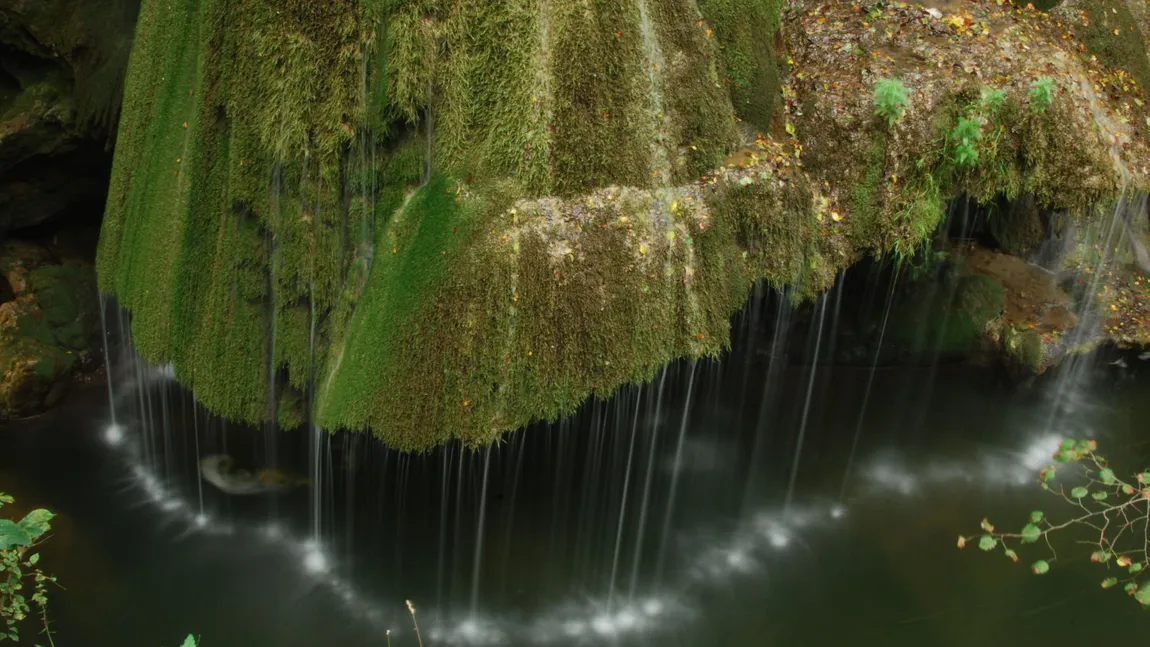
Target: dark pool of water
x,y
609,528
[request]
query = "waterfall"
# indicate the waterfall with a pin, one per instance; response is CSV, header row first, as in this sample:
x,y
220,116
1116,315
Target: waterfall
x,y
676,469
477,562
869,387
806,406
623,497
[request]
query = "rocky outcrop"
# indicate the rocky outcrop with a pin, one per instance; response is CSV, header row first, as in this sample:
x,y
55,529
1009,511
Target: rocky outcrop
x,y
61,73
454,218
48,321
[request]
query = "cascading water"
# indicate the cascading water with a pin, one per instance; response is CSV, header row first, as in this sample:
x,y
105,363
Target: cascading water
x,y
622,521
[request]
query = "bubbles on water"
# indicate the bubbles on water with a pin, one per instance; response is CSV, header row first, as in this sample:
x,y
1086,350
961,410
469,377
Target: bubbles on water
x,y
201,520
314,559
473,630
838,511
114,435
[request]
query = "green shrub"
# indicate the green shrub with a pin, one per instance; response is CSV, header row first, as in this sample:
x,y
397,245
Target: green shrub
x,y
965,136
1041,94
890,100
18,569
991,100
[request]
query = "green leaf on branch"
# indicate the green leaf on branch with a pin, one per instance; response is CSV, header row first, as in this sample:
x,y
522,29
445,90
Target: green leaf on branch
x,y
1036,516
987,543
1079,492
1130,588
1030,533
36,522
1109,582
986,525
13,535
1136,567
1143,595
1100,556
1127,490
1144,477
1040,567
1099,496
1011,555
190,641
1107,476
1047,474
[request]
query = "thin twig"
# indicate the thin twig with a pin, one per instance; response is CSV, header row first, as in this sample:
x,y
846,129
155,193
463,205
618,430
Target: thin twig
x,y
411,610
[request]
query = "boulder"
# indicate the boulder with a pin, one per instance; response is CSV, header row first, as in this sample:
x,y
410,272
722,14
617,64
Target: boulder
x,y
61,73
47,325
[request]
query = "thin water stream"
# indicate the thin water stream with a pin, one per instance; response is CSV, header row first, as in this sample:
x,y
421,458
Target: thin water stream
x,y
678,513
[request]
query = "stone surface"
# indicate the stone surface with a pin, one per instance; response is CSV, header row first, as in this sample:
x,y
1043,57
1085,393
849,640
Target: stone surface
x,y
61,73
47,324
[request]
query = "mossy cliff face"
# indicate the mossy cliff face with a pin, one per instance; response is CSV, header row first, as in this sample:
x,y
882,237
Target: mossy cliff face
x,y
444,219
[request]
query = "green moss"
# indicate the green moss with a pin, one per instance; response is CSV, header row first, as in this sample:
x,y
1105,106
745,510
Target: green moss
x,y
387,317
864,209
66,296
746,32
29,369
1026,349
945,319
697,128
596,72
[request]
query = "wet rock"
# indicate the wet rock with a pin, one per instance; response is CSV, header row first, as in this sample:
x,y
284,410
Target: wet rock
x,y
1020,228
47,325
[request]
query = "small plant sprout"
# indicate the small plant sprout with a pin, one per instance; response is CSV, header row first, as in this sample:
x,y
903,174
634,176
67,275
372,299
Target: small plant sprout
x,y
890,100
1115,512
991,99
1041,94
965,137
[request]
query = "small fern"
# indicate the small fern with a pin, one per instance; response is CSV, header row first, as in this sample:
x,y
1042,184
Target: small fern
x,y
890,100
1041,94
965,136
992,99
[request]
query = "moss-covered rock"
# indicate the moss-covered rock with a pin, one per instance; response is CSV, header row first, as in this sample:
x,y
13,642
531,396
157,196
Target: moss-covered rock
x,y
454,218
1019,226
47,325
